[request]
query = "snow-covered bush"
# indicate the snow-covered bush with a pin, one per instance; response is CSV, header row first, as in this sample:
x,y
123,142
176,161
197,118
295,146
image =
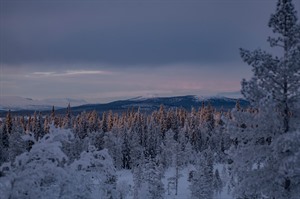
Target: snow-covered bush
x,y
44,172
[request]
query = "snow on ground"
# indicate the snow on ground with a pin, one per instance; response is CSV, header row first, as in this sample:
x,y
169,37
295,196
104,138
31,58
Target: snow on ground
x,y
125,176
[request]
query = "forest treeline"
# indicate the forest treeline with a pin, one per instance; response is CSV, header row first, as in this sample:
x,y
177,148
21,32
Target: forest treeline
x,y
146,144
122,134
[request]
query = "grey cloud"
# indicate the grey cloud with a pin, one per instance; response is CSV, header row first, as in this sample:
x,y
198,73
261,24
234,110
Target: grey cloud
x,y
130,32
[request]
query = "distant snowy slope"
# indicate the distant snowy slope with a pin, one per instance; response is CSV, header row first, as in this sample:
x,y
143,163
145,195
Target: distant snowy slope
x,y
63,102
15,103
20,103
216,97
144,103
235,94
149,104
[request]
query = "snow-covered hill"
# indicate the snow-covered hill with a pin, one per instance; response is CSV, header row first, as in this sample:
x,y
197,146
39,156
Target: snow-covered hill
x,y
16,103
144,103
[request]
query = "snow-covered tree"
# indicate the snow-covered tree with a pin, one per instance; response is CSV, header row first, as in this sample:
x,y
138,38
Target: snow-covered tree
x,y
81,128
277,77
286,149
217,182
5,133
94,122
17,144
95,168
202,180
123,189
38,173
46,125
8,123
260,135
139,185
168,149
104,124
46,171
67,121
4,144
153,176
113,143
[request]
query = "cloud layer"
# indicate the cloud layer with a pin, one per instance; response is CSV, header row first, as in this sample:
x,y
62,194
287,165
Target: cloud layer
x,y
117,49
130,32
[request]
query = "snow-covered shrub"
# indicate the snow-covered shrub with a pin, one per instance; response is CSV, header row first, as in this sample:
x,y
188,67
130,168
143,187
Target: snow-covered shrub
x,y
44,172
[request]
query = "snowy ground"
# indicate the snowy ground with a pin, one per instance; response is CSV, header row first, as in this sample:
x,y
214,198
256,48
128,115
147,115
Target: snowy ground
x,y
183,184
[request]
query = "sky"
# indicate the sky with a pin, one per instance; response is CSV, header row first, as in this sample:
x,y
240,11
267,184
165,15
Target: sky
x,y
107,50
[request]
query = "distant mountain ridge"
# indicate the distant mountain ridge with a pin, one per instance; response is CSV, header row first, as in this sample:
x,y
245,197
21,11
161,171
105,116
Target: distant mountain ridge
x,y
150,104
16,103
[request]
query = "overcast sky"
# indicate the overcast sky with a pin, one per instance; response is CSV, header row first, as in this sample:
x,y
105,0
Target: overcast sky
x,y
107,50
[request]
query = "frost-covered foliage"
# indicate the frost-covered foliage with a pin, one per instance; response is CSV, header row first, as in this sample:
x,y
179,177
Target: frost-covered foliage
x,y
43,171
286,149
277,77
96,170
202,179
252,133
217,183
147,178
270,170
38,173
153,173
265,149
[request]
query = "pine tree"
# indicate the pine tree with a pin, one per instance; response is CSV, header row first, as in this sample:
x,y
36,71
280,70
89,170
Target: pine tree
x,y
4,136
277,77
8,123
104,123
4,144
53,119
16,144
67,121
257,165
37,126
195,134
135,148
46,125
93,122
110,121
163,123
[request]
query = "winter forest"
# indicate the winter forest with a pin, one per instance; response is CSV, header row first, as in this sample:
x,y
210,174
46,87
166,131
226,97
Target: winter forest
x,y
245,153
